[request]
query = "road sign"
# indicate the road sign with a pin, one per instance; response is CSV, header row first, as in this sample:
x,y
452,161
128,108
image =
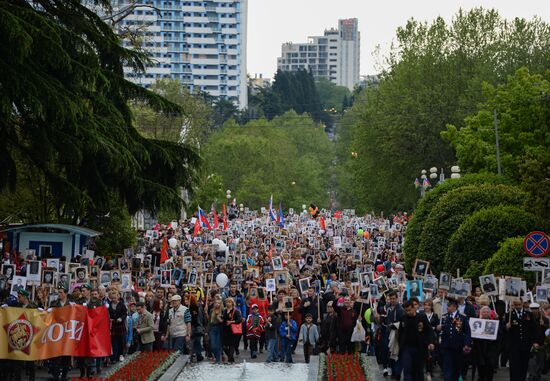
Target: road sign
x,y
536,244
535,264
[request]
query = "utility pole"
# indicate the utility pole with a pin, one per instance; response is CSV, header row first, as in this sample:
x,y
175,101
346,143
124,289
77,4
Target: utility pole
x,y
499,170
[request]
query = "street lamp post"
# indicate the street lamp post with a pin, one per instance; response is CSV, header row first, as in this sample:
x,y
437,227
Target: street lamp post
x,y
424,184
228,196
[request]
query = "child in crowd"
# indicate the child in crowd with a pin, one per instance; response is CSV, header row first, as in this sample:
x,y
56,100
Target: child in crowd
x,y
288,332
309,336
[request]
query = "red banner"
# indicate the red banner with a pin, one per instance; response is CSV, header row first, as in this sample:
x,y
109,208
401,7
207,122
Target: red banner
x,y
29,334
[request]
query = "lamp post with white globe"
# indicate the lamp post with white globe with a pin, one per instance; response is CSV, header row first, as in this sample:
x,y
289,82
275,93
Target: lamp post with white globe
x,y
424,184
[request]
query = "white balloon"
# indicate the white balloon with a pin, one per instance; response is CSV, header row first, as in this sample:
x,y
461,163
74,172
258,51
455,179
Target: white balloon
x,y
173,242
222,280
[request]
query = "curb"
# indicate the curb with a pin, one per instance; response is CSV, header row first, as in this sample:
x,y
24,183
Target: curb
x,y
313,368
175,369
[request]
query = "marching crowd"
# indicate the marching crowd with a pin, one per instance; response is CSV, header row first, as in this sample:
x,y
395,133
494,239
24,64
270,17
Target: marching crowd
x,y
332,282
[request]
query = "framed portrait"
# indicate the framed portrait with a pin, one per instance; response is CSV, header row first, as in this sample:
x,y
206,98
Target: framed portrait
x,y
8,271
373,291
310,261
445,281
63,280
141,283
420,269
18,283
277,263
282,278
488,284
177,276
393,283
357,256
48,277
304,285
541,294
270,285
123,263
414,289
288,305
429,283
337,241
105,278
192,279
512,291
34,270
380,282
52,297
126,282
166,278
99,262
136,264
253,292
209,279
115,276
459,288
484,328
81,274
94,272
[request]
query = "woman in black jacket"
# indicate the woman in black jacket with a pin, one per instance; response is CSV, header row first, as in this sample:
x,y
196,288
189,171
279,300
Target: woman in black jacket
x,y
230,340
117,314
485,352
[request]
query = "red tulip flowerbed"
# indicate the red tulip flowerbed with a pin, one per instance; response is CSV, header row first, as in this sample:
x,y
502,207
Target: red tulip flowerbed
x,y
146,366
343,367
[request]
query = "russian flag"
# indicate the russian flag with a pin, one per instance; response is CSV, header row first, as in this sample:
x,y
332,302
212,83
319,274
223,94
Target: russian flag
x,y
204,220
281,218
271,211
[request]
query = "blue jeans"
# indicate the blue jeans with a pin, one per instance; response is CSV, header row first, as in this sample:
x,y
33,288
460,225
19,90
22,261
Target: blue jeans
x,y
287,349
215,334
177,343
272,353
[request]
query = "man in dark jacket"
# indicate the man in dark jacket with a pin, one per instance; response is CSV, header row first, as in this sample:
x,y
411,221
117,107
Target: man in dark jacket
x,y
455,341
416,337
328,330
522,335
309,306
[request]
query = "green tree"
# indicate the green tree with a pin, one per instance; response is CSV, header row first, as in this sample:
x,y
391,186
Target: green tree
x,y
64,113
433,78
288,157
331,95
478,236
523,110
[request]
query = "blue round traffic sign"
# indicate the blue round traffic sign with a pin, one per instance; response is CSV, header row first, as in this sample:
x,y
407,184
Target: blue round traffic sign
x,y
536,244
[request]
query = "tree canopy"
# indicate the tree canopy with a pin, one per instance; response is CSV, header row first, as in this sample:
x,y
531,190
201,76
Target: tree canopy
x,y
65,115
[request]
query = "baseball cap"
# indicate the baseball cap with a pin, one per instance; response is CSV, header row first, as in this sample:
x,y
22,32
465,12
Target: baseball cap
x,y
87,286
254,306
175,297
23,292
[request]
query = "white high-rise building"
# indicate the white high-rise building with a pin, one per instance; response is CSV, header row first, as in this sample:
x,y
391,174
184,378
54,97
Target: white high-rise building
x,y
334,56
200,43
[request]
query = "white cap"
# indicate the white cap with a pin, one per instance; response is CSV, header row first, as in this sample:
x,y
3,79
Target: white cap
x,y
175,297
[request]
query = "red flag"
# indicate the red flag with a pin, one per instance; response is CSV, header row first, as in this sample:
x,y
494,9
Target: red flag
x,y
323,226
216,222
224,217
164,251
197,228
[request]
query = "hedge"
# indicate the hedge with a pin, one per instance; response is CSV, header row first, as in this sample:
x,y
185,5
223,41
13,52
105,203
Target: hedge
x,y
508,260
452,209
478,236
426,204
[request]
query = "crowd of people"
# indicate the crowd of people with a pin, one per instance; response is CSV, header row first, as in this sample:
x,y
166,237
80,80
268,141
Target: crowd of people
x,y
331,282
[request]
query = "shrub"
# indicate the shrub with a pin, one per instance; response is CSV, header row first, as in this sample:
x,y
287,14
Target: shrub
x,y
478,236
451,210
508,260
426,204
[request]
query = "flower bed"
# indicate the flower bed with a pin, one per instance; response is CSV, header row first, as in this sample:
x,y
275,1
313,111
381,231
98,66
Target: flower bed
x,y
342,367
142,366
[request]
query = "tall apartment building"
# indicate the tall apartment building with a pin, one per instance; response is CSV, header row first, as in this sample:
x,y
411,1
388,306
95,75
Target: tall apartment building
x,y
200,43
334,56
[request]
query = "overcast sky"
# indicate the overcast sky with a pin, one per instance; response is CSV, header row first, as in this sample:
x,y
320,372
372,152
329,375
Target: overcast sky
x,y
273,22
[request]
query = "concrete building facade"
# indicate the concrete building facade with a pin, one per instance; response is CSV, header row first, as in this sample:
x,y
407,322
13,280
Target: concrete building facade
x,y
200,43
335,55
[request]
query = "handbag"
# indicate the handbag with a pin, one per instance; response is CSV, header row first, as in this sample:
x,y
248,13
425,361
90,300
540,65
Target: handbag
x,y
236,328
